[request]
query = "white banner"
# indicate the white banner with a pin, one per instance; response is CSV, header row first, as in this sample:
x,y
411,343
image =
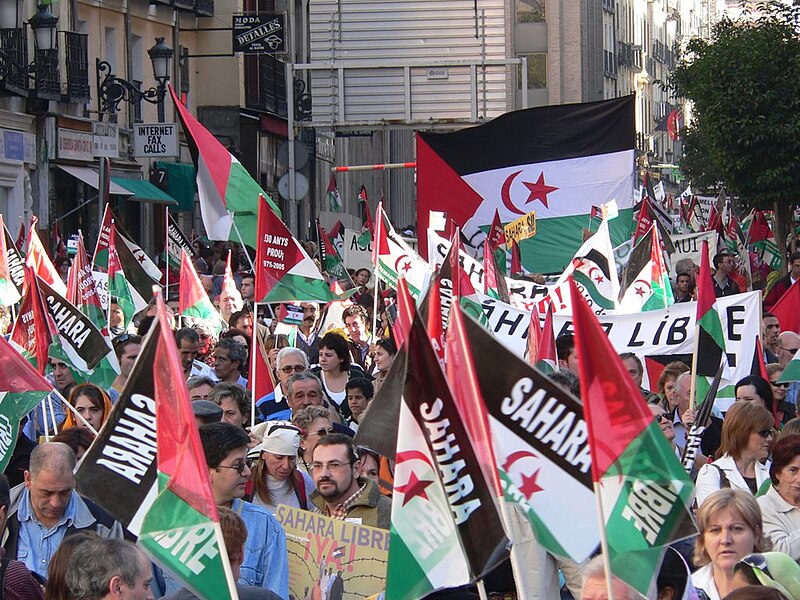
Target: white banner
x,y
654,333
355,256
523,293
690,245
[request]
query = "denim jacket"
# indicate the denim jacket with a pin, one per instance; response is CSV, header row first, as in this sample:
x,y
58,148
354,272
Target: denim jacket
x,y
266,561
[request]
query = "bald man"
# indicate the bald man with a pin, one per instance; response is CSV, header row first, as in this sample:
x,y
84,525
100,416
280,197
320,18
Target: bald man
x,y
46,507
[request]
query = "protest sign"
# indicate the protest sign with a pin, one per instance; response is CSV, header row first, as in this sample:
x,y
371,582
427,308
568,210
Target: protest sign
x,y
355,255
690,245
322,550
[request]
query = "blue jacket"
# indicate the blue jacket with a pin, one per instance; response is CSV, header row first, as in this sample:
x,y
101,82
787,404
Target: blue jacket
x,y
266,561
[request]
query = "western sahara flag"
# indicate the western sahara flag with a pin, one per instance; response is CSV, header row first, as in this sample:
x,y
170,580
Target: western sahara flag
x,y
177,241
438,485
22,388
643,490
181,529
538,437
15,262
9,294
228,194
394,257
556,160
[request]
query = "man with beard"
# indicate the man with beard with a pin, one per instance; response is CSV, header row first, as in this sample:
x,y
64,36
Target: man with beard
x,y
341,493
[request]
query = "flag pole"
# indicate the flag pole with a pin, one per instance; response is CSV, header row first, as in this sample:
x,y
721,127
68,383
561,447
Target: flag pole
x,y
53,412
604,541
375,255
693,377
44,418
241,241
166,253
254,347
481,589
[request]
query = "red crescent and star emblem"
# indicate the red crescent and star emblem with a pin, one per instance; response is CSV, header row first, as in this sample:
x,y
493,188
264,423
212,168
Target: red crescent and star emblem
x,y
537,190
406,267
529,484
641,287
598,278
414,486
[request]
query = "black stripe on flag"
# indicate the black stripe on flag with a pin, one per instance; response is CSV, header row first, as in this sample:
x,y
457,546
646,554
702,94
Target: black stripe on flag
x,y
119,469
539,134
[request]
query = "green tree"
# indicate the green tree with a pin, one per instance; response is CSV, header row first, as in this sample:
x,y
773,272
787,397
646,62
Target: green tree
x,y
744,85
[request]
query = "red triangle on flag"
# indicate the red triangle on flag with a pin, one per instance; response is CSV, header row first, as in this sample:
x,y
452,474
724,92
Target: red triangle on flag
x,y
787,309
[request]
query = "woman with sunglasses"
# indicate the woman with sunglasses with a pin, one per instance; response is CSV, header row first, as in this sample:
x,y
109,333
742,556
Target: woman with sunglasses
x,y
315,423
747,434
784,410
780,506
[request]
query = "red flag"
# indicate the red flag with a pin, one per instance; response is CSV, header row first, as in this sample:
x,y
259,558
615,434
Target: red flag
x,y
405,312
34,329
787,309
261,373
81,288
759,228
673,123
41,264
435,326
362,197
534,333
20,237
643,221
380,246
496,235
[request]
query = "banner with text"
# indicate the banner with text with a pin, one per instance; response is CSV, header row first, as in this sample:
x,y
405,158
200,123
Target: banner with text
x,y
327,553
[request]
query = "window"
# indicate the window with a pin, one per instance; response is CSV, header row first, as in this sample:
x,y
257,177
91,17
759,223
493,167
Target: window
x,y
530,11
537,71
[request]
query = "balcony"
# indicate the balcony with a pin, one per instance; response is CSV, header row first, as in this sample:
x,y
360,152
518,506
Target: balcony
x,y
76,55
205,8
609,64
265,85
609,5
13,58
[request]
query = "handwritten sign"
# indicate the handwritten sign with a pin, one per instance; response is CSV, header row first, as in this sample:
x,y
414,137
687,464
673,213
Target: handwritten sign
x,y
322,550
522,228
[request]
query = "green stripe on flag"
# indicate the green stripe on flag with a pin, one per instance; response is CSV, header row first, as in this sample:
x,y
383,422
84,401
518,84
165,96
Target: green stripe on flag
x,y
405,578
591,288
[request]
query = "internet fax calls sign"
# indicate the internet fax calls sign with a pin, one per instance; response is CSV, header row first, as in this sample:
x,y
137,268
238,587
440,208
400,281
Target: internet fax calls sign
x,y
263,33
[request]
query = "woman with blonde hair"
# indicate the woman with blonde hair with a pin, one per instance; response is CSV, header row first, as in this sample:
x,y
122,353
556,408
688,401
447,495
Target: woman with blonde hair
x,y
747,435
730,528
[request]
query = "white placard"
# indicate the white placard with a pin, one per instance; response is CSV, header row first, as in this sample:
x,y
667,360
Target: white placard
x,y
155,139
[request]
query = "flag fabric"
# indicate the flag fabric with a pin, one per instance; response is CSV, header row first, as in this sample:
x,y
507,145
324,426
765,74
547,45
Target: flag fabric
x,y
367,230
229,196
496,239
284,271
434,324
494,280
20,241
702,418
81,288
736,242
36,258
261,373
79,342
405,313
759,229
396,257
140,258
649,287
527,417
228,282
542,352
594,269
15,261
438,483
34,328
9,294
193,301
581,154
22,388
330,258
634,468
787,309
184,511
118,287
710,343
336,235
177,242
333,195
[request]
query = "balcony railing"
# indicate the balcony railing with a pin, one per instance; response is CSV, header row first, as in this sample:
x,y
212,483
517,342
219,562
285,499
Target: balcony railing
x,y
76,54
47,75
265,87
14,60
205,8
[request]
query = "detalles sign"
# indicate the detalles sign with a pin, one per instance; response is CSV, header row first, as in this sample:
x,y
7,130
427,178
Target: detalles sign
x,y
263,33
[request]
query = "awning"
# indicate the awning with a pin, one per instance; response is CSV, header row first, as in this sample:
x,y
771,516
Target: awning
x,y
91,177
144,191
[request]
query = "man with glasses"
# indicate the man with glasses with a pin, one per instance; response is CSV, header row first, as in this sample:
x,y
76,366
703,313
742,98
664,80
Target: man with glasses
x,y
274,406
341,493
788,344
265,561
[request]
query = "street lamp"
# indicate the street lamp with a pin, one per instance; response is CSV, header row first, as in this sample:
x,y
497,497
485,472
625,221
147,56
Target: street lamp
x,y
113,90
44,24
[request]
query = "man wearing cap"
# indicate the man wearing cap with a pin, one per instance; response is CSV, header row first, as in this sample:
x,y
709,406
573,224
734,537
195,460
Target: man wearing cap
x,y
275,475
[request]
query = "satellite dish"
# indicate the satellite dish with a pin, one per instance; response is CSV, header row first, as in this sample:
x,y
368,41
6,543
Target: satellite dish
x,y
300,186
300,154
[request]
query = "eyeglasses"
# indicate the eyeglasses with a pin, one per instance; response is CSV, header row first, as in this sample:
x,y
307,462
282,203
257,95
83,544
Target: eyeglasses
x,y
333,465
321,432
785,384
791,351
661,417
240,468
296,368
768,432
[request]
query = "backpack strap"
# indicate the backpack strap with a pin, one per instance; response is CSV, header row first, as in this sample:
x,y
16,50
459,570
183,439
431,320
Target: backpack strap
x,y
299,490
724,483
